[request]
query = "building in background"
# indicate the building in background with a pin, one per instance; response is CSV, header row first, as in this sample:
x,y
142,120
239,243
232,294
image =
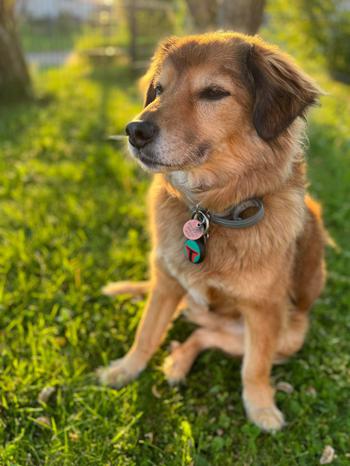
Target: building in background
x,y
53,9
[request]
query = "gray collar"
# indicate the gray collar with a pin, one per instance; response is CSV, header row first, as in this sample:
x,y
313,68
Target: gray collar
x,y
233,219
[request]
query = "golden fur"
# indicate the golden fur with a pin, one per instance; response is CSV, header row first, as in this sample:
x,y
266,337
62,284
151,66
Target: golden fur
x,y
251,295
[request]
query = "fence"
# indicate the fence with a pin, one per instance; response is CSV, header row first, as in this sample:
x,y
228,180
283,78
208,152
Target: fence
x,y
52,29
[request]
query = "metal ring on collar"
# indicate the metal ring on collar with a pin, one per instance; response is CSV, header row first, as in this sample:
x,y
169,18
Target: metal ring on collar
x,y
202,217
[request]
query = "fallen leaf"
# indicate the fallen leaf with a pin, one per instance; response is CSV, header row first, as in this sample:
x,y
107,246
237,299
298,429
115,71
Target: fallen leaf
x,y
202,410
155,392
149,436
311,391
285,387
45,394
74,436
43,421
328,455
60,341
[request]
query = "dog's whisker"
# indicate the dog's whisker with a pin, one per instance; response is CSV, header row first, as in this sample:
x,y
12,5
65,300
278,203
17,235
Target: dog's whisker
x,y
117,137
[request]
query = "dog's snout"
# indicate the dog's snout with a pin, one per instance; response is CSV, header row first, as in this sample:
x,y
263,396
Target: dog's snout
x,y
141,132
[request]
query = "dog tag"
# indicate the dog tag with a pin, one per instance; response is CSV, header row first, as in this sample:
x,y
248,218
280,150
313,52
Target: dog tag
x,y
195,250
193,229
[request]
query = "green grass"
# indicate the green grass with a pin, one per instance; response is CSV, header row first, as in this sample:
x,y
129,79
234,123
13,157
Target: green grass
x,y
73,217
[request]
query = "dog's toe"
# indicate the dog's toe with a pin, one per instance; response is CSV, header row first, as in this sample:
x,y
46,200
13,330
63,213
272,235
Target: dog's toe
x,y
268,419
174,369
117,374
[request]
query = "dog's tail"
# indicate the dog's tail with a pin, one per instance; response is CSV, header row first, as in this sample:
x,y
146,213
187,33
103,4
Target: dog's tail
x,y
132,288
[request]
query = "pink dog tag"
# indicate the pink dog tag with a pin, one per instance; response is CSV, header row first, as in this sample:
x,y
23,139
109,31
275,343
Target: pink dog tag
x,y
193,229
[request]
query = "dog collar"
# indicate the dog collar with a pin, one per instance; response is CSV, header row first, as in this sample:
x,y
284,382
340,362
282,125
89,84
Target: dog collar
x,y
196,229
233,218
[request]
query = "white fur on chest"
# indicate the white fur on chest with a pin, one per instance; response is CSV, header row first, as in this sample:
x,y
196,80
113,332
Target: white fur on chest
x,y
197,291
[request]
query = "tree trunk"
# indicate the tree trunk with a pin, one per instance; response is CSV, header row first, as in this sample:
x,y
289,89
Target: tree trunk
x,y
14,76
204,13
238,15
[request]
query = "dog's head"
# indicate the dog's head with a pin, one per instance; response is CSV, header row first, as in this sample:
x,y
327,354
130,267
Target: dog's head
x,y
210,93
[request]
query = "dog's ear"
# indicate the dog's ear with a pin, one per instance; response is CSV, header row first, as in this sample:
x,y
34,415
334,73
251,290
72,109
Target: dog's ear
x,y
150,94
147,82
281,91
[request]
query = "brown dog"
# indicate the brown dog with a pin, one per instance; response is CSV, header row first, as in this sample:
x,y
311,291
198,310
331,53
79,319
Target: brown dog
x,y
222,124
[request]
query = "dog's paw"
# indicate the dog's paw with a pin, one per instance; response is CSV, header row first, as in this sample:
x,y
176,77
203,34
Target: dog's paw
x,y
174,367
268,419
118,374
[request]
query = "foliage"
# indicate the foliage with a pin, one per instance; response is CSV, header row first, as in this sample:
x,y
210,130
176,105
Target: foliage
x,y
329,23
315,29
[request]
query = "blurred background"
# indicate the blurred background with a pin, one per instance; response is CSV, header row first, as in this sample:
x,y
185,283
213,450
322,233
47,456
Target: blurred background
x,y
50,33
73,217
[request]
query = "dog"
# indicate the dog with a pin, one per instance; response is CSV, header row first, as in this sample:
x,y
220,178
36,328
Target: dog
x,y
238,244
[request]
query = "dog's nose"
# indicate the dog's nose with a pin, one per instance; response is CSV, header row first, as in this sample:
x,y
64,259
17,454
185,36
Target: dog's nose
x,y
141,132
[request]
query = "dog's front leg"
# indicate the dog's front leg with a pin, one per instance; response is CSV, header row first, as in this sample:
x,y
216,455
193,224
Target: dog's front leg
x,y
263,326
165,295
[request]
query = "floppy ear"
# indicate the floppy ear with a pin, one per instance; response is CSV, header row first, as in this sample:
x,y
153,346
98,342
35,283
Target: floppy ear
x,y
150,93
146,83
281,91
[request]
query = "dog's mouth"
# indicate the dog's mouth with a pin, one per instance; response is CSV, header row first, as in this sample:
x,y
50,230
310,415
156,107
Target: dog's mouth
x,y
151,162
149,159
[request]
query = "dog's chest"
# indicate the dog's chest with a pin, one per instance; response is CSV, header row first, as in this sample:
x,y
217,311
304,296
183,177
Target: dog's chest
x,y
234,262
196,279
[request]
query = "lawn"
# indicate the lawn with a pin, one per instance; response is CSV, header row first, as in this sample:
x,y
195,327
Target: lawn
x,y
73,217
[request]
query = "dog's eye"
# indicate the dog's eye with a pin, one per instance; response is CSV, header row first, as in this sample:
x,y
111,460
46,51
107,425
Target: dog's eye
x,y
158,89
213,93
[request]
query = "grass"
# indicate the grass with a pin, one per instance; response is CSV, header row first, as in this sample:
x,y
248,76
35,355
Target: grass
x,y
72,217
